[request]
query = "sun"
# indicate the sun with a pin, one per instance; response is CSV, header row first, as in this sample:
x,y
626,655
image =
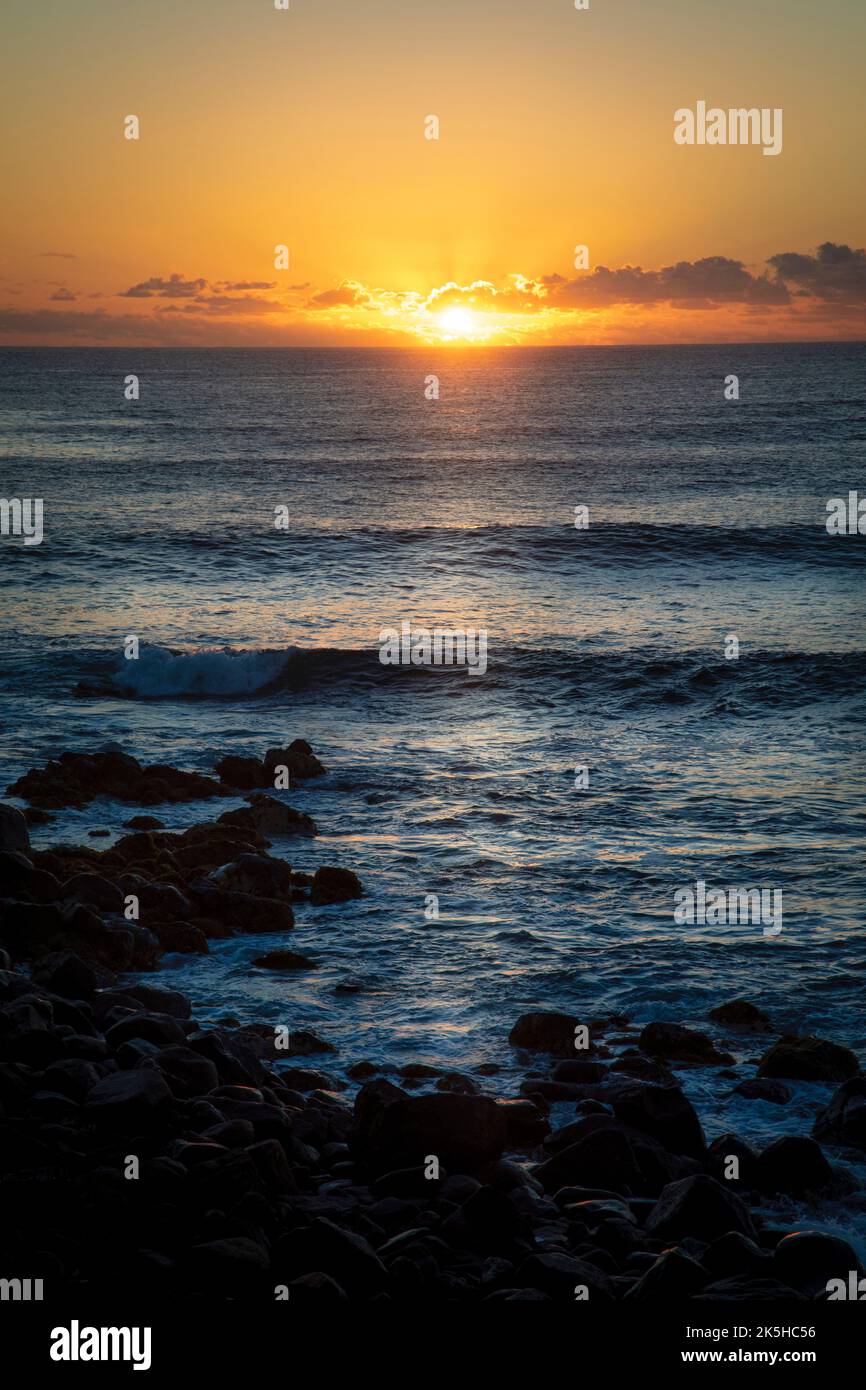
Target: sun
x,y
457,323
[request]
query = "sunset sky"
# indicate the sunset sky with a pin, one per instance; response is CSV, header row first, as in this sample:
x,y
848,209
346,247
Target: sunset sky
x,y
305,127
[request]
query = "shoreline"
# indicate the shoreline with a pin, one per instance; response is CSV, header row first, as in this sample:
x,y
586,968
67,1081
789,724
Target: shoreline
x,y
255,1172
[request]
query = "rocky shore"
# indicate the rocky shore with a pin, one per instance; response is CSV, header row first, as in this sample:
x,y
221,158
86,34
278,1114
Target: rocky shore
x,y
141,1148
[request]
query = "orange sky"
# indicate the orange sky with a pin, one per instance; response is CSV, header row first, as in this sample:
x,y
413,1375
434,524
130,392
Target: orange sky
x,y
306,128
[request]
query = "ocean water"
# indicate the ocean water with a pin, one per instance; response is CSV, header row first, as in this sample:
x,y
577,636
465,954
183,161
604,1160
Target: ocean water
x,y
606,648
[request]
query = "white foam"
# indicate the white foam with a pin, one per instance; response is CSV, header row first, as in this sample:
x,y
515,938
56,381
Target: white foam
x,y
220,671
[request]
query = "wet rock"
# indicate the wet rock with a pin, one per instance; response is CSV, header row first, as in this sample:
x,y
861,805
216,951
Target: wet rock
x,y
77,778
256,874
361,1071
19,878
244,773
794,1165
609,1156
575,1070
128,1100
94,890
302,1043
673,1275
463,1132
303,1079
284,960
143,823
299,758
456,1082
809,1059
683,1045
665,1114
526,1125
558,1276
843,1120
734,1254
329,1248
67,974
266,816
547,1032
701,1207
741,1016
187,1072
159,1029
160,1001
745,1289
643,1069
760,1088
14,834
807,1260
333,885
241,912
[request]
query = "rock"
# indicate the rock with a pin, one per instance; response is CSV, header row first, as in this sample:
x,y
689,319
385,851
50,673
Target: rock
x,y
361,1071
679,1044
575,1070
332,885
303,1079
77,778
299,758
187,1072
315,1288
244,773
644,1069
241,912
94,890
843,1119
741,1016
458,1083
745,1289
19,878
807,1260
153,1028
328,1248
559,1275
763,1089
256,874
808,1059
284,960
232,1267
302,1042
665,1114
463,1132
701,1207
128,1100
266,816
67,974
674,1275
792,1165
736,1254
143,823
160,1001
525,1125
14,834
609,1156
547,1032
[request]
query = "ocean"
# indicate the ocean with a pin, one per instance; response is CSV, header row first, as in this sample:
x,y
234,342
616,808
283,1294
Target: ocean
x,y
606,650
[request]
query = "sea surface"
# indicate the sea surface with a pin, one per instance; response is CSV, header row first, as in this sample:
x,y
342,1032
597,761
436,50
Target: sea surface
x,y
606,648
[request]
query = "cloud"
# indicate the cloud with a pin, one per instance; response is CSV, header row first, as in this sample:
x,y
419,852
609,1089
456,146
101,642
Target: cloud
x,y
63,294
348,295
711,281
57,255
175,287
836,272
246,285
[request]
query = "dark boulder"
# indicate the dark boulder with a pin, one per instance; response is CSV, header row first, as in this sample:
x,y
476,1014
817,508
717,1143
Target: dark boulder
x,y
807,1260
678,1044
665,1114
843,1119
762,1088
333,885
793,1165
701,1207
14,834
265,816
128,1100
547,1032
809,1059
741,1016
462,1132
